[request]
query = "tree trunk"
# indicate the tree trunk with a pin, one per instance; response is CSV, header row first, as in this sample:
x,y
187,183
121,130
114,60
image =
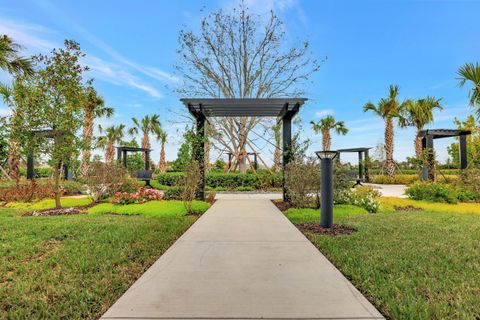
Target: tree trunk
x,y
418,145
145,143
207,155
326,139
242,150
13,160
56,185
277,154
390,164
87,136
110,153
162,166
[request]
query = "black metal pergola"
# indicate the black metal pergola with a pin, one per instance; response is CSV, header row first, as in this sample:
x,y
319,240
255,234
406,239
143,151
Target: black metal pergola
x,y
283,109
50,134
427,144
144,175
363,154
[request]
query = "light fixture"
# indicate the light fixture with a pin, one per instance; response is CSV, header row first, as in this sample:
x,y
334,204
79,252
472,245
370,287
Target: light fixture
x,y
327,154
326,187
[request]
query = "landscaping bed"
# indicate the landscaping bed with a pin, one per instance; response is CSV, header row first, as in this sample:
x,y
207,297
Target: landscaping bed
x,y
77,266
411,265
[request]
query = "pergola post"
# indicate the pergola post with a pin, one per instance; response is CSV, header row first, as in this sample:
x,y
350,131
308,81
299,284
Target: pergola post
x,y
30,168
367,161
287,149
119,155
124,158
199,154
147,160
427,170
463,152
360,165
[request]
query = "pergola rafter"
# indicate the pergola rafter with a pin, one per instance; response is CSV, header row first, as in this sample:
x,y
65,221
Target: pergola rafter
x,y
283,109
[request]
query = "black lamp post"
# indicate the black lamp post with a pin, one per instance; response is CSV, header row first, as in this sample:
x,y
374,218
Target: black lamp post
x,y
326,202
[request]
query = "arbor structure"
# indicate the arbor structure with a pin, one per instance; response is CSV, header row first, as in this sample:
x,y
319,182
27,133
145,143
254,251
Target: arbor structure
x,y
418,113
324,126
282,108
237,54
388,109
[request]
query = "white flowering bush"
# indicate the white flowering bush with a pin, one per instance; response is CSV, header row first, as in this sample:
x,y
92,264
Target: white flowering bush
x,y
361,197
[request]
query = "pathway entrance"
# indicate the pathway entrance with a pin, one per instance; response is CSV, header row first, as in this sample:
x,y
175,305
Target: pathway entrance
x,y
242,260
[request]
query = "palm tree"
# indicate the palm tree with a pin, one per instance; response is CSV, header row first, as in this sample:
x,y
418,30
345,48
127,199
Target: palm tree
x,y
387,108
113,135
418,113
147,125
94,107
162,137
13,159
471,72
10,61
324,126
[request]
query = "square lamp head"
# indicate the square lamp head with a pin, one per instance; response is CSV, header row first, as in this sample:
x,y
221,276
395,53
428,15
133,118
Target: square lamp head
x,y
326,154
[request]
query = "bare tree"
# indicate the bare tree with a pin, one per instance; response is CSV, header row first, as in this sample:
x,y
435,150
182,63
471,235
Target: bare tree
x,y
238,54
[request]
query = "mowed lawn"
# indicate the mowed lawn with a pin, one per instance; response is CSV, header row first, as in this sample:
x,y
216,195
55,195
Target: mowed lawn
x,y
75,267
411,265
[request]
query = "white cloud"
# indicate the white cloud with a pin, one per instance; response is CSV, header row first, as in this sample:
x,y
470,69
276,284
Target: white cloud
x,y
34,39
324,112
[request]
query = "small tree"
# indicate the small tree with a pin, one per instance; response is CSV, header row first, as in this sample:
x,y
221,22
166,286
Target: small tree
x,y
103,180
53,100
189,185
302,180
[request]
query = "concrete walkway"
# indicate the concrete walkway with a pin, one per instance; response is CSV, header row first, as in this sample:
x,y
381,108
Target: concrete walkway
x,y
390,190
242,260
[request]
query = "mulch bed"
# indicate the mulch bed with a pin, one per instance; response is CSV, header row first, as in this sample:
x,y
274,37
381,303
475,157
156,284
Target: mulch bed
x,y
335,230
282,206
58,212
408,208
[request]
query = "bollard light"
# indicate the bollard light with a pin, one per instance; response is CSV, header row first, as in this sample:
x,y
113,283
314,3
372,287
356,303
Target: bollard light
x,y
326,200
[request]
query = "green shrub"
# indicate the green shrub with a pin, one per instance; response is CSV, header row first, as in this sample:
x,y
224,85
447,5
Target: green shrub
x,y
432,191
228,181
172,193
397,179
246,188
42,172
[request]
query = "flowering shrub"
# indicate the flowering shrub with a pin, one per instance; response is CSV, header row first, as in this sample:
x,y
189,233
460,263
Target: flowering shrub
x,y
141,196
364,197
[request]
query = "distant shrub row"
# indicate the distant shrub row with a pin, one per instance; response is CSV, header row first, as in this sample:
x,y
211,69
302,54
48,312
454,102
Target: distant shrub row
x,y
261,180
440,192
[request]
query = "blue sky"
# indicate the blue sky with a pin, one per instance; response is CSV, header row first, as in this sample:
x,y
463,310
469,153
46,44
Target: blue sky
x,y
131,48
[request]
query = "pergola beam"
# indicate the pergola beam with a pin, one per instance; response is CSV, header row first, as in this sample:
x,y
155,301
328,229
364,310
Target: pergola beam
x,y
283,109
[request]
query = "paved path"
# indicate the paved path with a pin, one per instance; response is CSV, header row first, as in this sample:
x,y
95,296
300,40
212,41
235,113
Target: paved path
x,y
242,260
390,190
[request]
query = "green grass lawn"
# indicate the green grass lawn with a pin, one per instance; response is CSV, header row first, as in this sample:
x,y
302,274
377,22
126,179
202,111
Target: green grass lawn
x,y
75,267
411,265
149,209
50,203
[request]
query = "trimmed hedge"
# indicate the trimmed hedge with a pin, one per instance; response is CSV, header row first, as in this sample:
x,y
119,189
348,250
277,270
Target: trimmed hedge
x,y
229,181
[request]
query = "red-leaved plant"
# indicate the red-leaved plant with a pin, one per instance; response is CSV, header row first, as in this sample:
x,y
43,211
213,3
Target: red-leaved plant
x,y
141,196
